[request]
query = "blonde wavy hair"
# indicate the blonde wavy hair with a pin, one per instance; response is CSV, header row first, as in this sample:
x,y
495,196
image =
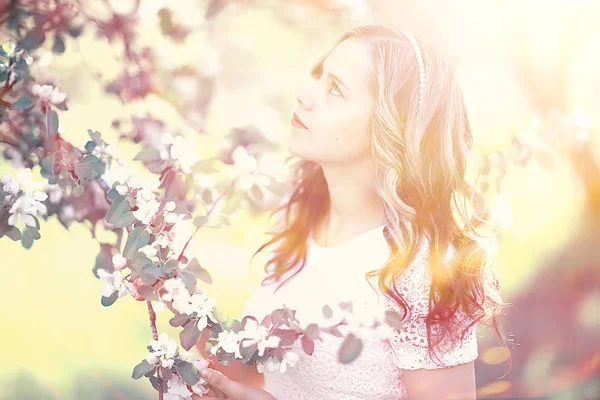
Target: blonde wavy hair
x,y
421,156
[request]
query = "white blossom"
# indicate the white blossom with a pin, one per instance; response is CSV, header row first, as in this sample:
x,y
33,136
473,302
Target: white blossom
x,y
67,212
115,282
290,358
135,183
183,151
149,250
200,363
170,206
55,193
161,347
174,287
244,169
48,93
177,386
167,363
210,62
270,365
199,303
119,262
15,156
272,165
165,238
254,333
229,341
147,206
27,206
159,306
205,182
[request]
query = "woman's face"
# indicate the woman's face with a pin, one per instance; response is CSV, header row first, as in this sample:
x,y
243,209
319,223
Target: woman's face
x,y
336,108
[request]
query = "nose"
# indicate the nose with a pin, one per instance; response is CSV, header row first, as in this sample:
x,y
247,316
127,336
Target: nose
x,y
304,96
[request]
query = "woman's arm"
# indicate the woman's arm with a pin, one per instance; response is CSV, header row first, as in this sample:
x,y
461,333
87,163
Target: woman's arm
x,y
456,382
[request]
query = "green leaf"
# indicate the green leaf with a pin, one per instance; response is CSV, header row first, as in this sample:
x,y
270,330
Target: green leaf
x,y
51,122
124,220
14,233
350,349
90,146
32,40
47,163
189,281
35,232
59,45
109,301
119,207
90,167
393,319
149,154
75,31
170,266
190,335
142,369
139,260
150,273
23,103
308,345
223,357
178,320
194,268
27,239
187,372
248,352
148,292
200,221
112,193
137,239
312,331
182,210
288,337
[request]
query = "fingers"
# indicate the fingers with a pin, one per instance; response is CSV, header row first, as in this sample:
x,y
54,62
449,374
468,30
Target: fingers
x,y
215,393
220,382
208,396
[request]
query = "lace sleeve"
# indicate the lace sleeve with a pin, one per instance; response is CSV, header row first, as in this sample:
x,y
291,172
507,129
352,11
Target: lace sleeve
x,y
409,344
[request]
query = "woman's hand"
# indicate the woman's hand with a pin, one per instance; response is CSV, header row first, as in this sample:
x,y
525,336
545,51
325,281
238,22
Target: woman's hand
x,y
221,387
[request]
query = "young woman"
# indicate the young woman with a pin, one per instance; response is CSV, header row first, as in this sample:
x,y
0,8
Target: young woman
x,y
379,215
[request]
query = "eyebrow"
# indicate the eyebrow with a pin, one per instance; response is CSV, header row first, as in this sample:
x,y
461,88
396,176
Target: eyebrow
x,y
319,68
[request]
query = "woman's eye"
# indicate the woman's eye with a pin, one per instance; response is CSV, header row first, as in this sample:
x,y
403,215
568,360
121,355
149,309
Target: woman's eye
x,y
318,75
336,87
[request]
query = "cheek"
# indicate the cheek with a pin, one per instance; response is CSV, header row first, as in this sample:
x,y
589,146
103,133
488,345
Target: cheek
x,y
348,128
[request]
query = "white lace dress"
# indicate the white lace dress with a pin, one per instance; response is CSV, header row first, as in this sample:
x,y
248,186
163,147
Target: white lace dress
x,y
335,274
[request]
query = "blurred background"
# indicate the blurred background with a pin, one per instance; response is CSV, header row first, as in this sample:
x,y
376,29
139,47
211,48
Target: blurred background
x,y
222,69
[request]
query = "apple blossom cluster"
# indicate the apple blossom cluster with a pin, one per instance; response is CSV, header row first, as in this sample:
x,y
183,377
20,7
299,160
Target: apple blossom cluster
x,y
180,151
179,372
48,94
274,344
23,197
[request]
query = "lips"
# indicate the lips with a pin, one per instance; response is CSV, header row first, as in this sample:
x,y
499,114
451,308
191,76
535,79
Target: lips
x,y
296,118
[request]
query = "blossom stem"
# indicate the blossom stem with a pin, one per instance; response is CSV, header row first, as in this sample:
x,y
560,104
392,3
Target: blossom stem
x,y
155,337
210,211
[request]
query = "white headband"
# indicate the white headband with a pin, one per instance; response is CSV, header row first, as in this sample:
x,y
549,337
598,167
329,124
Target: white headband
x,y
415,46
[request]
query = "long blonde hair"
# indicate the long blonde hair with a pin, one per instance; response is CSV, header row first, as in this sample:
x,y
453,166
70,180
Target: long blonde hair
x,y
421,156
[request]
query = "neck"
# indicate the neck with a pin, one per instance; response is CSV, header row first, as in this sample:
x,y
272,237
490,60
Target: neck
x,y
354,206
